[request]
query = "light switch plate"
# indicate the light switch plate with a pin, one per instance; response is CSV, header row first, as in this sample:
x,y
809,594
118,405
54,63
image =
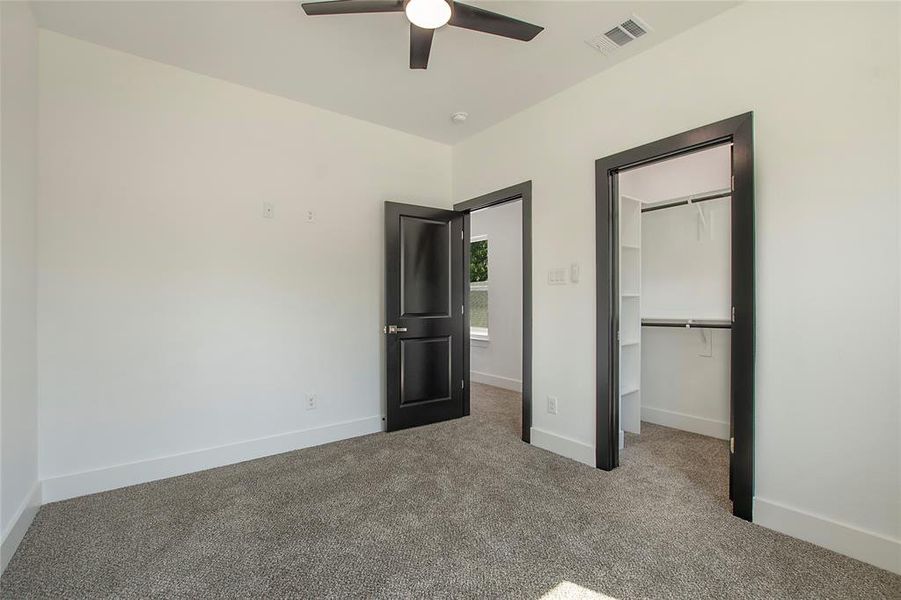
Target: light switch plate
x,y
556,276
574,272
268,210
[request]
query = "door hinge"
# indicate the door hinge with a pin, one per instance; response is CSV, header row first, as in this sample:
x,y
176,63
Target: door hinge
x,y
733,314
731,445
462,309
461,236
462,384
733,183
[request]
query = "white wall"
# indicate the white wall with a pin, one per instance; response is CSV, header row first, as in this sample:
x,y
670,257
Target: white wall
x,y
174,320
20,493
826,125
685,379
685,376
682,276
499,361
686,261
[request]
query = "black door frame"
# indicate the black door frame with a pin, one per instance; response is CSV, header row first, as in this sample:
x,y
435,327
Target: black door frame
x,y
523,192
738,131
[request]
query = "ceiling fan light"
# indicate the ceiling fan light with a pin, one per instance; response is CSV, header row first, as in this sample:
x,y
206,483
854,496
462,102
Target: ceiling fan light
x,y
428,14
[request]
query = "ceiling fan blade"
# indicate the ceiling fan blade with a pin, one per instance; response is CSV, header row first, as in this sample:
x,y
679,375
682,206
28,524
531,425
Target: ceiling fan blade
x,y
420,46
346,7
477,19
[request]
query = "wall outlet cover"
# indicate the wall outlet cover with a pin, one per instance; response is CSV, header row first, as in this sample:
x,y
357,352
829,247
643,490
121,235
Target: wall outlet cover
x,y
312,401
552,405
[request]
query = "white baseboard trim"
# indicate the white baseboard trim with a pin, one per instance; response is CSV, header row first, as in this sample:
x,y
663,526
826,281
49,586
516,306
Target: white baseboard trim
x,y
677,420
563,446
866,546
16,529
496,380
101,480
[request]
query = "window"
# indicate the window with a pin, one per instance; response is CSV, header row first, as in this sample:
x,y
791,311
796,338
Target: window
x,y
478,287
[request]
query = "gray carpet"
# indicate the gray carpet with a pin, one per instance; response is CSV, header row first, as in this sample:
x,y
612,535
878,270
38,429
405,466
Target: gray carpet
x,y
459,509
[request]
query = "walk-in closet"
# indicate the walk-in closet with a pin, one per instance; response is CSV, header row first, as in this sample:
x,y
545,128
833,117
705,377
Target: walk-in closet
x,y
675,305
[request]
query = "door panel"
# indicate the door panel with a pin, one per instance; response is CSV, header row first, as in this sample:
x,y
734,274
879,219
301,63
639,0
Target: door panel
x,y
426,253
425,370
424,300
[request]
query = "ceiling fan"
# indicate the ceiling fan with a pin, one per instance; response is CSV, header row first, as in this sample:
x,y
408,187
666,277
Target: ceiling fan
x,y
426,16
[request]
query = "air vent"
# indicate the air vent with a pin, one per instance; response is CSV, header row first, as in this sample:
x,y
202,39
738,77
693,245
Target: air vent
x,y
633,28
619,36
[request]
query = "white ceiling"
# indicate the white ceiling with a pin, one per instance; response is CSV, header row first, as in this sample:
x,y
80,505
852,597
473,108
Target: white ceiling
x,y
358,64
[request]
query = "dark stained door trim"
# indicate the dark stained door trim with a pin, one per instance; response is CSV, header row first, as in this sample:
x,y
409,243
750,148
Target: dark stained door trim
x,y
739,131
521,191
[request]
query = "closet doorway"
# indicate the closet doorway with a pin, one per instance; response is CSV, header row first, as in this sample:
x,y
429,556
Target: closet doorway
x,y
675,323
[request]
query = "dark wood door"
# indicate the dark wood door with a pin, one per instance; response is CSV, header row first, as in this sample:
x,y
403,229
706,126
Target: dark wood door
x,y
424,331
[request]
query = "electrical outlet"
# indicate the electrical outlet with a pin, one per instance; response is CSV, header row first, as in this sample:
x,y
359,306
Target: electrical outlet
x,y
268,210
552,405
312,401
310,216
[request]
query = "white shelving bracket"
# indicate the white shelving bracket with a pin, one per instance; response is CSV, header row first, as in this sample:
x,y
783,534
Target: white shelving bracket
x,y
706,341
703,224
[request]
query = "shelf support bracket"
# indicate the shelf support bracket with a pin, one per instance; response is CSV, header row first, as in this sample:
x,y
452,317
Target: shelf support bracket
x,y
706,341
703,225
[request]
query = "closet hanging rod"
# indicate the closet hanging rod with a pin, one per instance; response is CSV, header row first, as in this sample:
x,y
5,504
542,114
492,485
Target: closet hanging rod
x,y
688,323
689,200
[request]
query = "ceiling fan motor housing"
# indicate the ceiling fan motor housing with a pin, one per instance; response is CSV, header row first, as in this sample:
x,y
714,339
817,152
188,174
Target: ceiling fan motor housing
x,y
429,14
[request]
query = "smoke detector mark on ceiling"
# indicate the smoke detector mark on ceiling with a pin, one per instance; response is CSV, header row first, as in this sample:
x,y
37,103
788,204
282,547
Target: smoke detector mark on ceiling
x,y
630,29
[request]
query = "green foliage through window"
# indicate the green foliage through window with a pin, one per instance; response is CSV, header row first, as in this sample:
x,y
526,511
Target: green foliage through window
x,y
478,288
478,261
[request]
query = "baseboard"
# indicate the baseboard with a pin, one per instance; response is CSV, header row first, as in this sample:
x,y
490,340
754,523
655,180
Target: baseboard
x,y
496,380
101,480
677,420
563,446
14,533
867,546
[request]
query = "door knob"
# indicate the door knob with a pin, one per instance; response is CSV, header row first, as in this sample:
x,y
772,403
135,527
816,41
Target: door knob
x,y
393,329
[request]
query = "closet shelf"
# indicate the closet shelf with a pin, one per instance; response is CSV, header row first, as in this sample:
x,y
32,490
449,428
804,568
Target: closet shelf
x,y
630,343
682,201
630,294
630,390
688,323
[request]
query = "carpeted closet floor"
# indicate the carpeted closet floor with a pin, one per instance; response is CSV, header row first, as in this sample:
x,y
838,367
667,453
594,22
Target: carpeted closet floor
x,y
458,509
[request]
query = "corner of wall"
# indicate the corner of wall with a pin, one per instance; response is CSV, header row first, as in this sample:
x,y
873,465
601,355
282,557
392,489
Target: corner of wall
x,y
21,521
19,484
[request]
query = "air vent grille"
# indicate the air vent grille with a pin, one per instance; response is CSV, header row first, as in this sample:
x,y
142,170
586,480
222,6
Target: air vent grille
x,y
633,28
619,36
